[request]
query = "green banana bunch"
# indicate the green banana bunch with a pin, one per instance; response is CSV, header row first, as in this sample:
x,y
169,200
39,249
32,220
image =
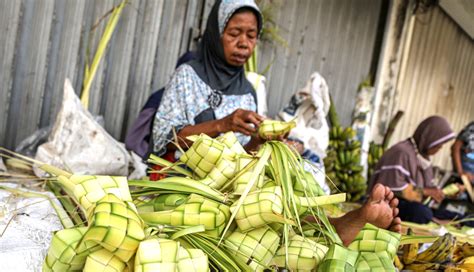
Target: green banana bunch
x,y
342,163
375,153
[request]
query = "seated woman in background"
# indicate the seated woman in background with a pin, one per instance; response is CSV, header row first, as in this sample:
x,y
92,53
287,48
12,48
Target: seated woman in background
x,y
406,169
462,152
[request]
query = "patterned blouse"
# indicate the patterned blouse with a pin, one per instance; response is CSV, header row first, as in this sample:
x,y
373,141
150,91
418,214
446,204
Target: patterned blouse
x,y
467,149
184,100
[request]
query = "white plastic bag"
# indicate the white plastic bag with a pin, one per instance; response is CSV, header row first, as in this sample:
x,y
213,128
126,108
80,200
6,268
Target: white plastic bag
x,y
77,143
309,107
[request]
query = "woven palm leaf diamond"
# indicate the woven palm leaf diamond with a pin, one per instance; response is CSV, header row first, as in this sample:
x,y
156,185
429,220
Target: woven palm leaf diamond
x,y
204,154
374,239
197,210
255,247
260,208
88,189
114,225
374,261
224,170
241,183
157,254
339,259
103,260
303,254
192,260
230,140
62,254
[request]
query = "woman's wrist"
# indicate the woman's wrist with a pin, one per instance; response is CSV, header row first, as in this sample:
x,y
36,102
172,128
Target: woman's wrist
x,y
219,126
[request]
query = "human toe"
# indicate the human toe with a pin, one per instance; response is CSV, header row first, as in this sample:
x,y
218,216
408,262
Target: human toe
x,y
394,202
396,225
378,193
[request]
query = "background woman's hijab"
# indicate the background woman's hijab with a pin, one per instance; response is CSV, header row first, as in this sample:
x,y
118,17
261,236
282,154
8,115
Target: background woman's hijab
x,y
431,132
401,164
210,64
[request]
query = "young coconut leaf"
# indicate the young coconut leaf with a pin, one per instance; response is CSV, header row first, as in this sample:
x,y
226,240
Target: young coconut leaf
x,y
168,165
181,185
90,71
163,202
103,260
197,210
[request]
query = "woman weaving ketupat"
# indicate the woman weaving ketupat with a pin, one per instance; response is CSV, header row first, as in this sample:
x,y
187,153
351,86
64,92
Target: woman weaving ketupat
x,y
211,95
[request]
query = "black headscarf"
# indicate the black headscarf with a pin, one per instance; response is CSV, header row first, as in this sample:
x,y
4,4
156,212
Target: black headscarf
x,y
210,64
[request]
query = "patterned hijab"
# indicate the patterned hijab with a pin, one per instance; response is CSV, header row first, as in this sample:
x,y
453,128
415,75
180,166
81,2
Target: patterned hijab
x,y
404,164
211,65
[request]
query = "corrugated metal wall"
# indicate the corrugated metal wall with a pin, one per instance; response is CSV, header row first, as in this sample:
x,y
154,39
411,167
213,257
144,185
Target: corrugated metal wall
x,y
336,38
438,79
45,41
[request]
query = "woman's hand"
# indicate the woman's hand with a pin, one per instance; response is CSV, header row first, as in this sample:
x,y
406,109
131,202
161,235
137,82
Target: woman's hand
x,y
435,193
243,121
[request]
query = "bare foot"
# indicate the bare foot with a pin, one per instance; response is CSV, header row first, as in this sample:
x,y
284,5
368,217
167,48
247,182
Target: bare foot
x,y
380,210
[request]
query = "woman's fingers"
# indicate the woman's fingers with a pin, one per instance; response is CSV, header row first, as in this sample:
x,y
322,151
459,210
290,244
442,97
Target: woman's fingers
x,y
252,117
246,129
395,212
247,122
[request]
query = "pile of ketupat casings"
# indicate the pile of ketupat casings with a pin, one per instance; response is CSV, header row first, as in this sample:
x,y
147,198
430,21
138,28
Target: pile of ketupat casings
x,y
227,210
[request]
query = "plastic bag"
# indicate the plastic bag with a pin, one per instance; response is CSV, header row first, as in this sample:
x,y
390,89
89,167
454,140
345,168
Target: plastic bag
x,y
309,107
79,144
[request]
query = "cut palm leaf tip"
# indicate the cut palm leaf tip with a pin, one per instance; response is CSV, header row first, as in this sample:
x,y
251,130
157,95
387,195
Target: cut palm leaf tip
x,y
211,218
